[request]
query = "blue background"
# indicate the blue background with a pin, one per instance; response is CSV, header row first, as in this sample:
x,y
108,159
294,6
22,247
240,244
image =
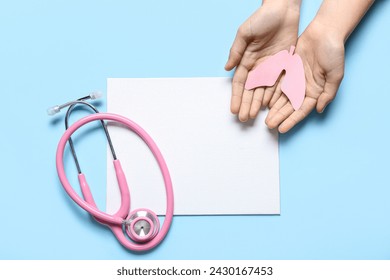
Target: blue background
x,y
334,167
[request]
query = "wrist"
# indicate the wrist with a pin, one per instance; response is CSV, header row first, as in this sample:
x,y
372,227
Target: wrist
x,y
288,4
331,28
342,16
288,11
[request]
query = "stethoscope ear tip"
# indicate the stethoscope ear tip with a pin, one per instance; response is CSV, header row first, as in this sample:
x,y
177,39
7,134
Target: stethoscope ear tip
x,y
96,95
57,108
53,110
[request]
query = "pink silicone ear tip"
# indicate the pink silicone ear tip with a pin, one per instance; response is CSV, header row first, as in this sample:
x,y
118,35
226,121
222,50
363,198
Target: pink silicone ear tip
x,y
267,73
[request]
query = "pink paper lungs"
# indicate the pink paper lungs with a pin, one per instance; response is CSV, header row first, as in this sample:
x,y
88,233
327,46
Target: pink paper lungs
x,y
267,72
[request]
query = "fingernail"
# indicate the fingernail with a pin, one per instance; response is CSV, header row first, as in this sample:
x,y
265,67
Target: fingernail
x,y
324,108
267,122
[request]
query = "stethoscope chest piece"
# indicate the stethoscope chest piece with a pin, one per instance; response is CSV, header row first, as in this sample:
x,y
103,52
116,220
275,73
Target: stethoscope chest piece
x,y
142,225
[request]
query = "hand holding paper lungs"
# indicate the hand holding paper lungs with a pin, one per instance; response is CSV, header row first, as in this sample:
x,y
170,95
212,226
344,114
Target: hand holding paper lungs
x,y
268,72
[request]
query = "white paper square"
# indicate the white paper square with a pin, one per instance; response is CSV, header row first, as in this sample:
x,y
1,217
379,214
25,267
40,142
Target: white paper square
x,y
217,164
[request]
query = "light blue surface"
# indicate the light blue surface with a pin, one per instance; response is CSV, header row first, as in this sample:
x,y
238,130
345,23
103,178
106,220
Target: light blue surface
x,y
335,186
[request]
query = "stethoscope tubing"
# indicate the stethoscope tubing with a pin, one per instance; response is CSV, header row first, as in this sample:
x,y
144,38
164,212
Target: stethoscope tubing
x,y
116,221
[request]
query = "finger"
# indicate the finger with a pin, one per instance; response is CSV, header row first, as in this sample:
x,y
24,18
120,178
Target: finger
x,y
308,105
283,100
279,112
269,91
237,50
238,83
277,93
330,91
246,102
256,102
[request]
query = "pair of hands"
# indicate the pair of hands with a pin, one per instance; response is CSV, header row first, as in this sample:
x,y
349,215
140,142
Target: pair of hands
x,y
272,28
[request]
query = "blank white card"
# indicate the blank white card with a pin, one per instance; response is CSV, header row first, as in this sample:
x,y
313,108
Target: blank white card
x,y
217,164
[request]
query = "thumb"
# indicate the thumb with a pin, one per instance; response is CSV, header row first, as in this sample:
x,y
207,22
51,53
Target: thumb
x,y
237,50
329,93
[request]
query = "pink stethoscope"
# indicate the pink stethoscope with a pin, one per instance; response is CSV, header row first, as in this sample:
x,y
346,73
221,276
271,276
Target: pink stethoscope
x,y
137,230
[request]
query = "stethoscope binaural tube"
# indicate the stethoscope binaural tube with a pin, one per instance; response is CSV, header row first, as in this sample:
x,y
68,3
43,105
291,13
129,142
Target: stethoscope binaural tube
x,y
72,104
118,221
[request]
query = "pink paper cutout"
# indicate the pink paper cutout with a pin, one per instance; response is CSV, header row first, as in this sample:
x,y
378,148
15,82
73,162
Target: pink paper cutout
x,y
267,72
